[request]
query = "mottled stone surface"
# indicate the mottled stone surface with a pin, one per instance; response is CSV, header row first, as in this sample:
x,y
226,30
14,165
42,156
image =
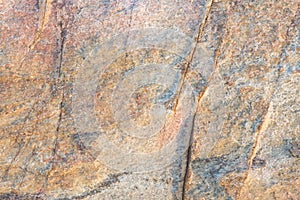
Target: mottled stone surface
x,y
139,99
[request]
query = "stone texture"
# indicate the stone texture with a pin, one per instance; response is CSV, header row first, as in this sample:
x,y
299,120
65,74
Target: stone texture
x,y
149,99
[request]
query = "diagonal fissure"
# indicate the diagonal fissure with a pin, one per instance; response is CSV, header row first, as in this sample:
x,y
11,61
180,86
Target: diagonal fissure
x,y
186,69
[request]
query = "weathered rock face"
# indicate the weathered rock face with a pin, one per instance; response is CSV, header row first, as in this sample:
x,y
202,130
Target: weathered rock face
x,y
149,99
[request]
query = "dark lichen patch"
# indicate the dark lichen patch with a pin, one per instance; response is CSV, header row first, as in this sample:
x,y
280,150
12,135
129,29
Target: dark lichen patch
x,y
293,147
112,179
258,163
83,140
16,196
212,170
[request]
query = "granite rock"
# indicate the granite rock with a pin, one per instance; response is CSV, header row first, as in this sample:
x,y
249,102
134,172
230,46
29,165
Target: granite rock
x,y
149,99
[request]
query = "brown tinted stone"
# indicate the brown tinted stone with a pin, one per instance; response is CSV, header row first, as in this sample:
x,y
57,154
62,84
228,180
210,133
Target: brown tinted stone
x,y
149,99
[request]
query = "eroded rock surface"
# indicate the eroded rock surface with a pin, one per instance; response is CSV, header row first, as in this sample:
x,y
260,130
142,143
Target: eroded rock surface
x,y
149,99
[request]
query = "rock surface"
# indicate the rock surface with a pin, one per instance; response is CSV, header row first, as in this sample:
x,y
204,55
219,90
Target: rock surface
x,y
149,99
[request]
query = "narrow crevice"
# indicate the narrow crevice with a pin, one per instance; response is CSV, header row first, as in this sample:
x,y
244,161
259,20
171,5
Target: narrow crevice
x,y
191,55
61,45
257,136
59,85
181,83
255,148
61,81
189,152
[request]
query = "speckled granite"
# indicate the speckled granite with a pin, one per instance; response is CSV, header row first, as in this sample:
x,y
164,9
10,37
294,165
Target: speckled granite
x,y
149,99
